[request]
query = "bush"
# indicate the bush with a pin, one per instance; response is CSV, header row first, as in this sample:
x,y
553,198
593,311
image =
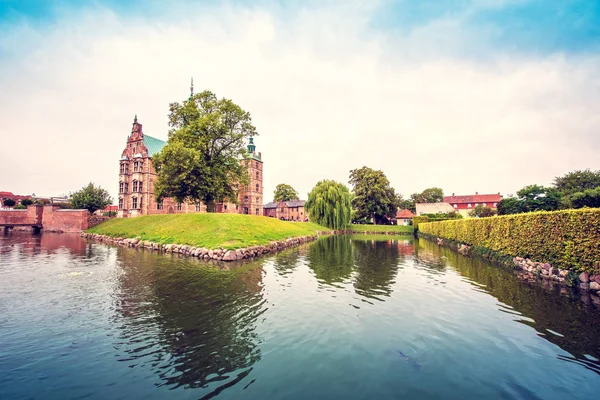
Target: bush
x,y
9,202
567,239
20,207
26,202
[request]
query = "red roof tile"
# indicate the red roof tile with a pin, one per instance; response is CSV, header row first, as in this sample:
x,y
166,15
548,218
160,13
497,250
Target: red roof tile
x,y
476,198
406,213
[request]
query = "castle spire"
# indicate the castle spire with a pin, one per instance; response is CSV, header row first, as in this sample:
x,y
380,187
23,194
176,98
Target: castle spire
x,y
135,119
251,146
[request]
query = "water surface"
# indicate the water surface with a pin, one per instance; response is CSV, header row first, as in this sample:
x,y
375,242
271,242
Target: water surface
x,y
343,317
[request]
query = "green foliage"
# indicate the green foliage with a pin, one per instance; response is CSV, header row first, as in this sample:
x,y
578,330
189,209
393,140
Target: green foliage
x,y
587,198
229,231
285,192
481,211
510,205
418,220
20,207
202,161
380,228
90,197
329,204
566,239
373,195
577,181
9,202
539,198
26,202
431,195
65,206
407,204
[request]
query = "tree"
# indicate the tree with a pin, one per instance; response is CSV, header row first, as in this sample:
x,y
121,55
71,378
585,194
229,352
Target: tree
x,y
510,205
9,202
577,181
202,160
26,202
329,204
91,197
587,198
481,211
406,204
536,198
373,196
430,195
284,192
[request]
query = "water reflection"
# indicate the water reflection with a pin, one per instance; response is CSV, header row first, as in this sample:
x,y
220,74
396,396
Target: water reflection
x,y
193,325
563,320
331,259
377,264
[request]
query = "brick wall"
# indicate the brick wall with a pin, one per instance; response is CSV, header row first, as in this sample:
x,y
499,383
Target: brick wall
x,y
57,220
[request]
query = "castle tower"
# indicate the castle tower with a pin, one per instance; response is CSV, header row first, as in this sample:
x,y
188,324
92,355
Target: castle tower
x,y
251,197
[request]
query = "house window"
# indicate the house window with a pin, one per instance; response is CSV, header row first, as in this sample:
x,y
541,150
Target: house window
x,y
121,203
455,205
197,206
178,206
134,203
469,205
495,204
159,205
483,204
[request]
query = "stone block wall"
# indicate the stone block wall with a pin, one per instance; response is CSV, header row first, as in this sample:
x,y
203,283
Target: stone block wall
x,y
57,220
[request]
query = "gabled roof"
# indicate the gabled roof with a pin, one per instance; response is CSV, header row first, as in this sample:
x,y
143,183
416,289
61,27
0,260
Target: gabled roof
x,y
271,205
6,195
153,145
476,198
433,208
295,203
404,214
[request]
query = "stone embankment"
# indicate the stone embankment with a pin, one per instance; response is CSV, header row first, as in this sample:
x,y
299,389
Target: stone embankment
x,y
533,270
219,254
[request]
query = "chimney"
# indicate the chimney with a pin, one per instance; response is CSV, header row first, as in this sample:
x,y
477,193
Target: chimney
x,y
259,156
476,193
452,194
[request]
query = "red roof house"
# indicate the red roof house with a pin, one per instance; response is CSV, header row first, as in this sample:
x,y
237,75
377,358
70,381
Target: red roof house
x,y
404,217
469,202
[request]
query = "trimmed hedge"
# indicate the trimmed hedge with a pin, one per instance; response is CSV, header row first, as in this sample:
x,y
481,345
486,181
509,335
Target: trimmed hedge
x,y
566,239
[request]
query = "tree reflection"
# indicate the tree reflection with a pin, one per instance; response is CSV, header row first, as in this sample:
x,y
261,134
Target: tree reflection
x,y
577,323
377,264
194,324
331,259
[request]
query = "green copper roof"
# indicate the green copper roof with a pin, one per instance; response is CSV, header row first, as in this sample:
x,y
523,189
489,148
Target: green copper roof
x,y
153,145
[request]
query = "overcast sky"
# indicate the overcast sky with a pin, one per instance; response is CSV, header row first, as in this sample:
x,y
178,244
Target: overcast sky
x,y
469,96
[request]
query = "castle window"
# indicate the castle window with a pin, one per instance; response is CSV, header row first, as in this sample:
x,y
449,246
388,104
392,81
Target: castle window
x,y
120,203
237,207
159,205
257,199
257,211
121,187
257,187
256,174
140,186
135,164
134,203
122,168
197,206
135,186
178,206
245,199
225,207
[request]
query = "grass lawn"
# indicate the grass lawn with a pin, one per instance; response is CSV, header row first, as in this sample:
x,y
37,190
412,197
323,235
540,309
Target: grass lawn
x,y
230,231
381,228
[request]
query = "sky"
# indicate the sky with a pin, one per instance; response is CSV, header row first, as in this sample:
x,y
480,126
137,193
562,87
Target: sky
x,y
471,96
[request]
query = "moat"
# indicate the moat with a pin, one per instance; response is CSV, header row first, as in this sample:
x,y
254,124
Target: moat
x,y
349,317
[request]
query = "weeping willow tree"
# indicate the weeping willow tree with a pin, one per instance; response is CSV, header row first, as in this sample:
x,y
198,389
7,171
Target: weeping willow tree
x,y
329,204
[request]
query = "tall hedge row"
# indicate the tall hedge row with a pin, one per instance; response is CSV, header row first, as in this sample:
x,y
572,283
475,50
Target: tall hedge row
x,y
566,239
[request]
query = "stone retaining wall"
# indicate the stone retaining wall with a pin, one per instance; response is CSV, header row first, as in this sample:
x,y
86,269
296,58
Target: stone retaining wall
x,y
528,268
219,254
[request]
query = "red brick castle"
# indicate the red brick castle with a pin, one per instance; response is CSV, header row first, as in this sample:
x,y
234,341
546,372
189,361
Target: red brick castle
x,y
137,177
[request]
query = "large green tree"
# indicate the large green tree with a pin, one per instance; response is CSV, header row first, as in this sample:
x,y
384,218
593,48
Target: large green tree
x,y
587,198
577,181
373,196
91,197
538,198
329,204
202,161
285,192
430,195
510,205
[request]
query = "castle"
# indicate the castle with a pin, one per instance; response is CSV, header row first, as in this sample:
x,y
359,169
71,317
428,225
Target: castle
x,y
137,177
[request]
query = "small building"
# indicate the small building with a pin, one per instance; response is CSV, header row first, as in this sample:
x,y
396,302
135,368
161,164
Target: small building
x,y
404,217
292,210
464,204
434,208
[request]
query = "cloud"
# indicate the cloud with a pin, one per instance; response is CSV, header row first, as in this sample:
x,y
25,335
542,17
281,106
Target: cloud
x,y
326,91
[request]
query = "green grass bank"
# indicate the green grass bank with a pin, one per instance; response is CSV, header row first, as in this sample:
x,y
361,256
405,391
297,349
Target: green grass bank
x,y
229,231
568,239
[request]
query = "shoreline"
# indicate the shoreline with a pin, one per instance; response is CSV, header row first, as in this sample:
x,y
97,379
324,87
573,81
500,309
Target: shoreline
x,y
221,254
